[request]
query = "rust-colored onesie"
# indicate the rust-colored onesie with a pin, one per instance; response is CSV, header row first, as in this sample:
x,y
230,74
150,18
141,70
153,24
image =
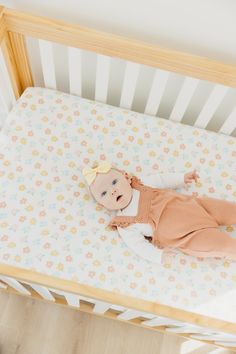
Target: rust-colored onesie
x,y
185,222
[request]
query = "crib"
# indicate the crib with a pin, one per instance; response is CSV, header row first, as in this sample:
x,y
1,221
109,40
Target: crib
x,y
213,323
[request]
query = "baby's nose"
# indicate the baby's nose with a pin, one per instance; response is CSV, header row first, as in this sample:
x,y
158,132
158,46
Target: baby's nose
x,y
114,191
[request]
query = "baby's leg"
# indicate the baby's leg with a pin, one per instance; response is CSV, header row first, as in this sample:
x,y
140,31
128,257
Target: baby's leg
x,y
210,242
224,212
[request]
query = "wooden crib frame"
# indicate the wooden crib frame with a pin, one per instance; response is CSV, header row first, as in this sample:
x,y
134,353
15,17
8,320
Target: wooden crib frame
x,y
14,26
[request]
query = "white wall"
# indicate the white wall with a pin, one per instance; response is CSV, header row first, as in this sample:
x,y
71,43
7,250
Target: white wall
x,y
201,27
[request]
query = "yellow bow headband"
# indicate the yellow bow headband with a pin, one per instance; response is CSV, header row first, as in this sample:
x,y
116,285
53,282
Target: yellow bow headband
x,y
90,173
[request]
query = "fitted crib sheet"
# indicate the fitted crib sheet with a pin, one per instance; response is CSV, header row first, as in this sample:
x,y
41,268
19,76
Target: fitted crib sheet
x,y
50,223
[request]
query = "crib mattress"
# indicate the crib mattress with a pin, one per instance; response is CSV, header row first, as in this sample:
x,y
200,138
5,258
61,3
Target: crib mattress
x,y
49,222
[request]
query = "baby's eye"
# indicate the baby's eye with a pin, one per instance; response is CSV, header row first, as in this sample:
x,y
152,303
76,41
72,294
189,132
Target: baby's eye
x,y
114,181
103,193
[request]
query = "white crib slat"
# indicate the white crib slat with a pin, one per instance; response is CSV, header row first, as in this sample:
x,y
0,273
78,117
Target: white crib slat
x,y
101,307
117,308
187,329
129,315
211,105
75,70
215,337
44,292
48,67
15,285
160,321
227,344
72,299
229,124
183,99
6,92
102,78
156,92
129,84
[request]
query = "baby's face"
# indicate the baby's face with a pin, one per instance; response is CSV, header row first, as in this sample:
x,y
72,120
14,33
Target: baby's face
x,y
112,189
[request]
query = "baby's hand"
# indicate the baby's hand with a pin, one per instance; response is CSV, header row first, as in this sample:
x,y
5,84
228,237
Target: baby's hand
x,y
190,176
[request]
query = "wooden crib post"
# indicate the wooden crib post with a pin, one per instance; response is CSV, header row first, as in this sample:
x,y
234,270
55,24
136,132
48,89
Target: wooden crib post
x,y
15,54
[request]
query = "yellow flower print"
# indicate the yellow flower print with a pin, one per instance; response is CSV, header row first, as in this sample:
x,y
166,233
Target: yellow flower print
x,y
116,142
86,242
68,217
6,163
45,119
195,132
18,128
60,266
60,197
23,141
126,163
126,253
211,163
224,174
33,221
105,130
152,153
71,164
73,230
81,185
80,130
193,265
140,141
170,141
188,164
22,187
96,263
102,277
135,129
44,173
138,274
59,152
54,138
29,208
86,197
11,175
11,245
69,119
90,151
33,107
54,253
35,153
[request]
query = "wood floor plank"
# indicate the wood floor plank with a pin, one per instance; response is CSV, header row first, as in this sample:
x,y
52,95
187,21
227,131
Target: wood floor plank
x,y
29,326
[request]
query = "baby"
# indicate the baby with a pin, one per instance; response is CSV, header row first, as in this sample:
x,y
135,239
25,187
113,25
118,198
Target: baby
x,y
152,209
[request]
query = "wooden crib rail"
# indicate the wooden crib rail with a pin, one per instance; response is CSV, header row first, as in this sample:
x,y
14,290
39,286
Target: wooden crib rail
x,y
136,311
121,47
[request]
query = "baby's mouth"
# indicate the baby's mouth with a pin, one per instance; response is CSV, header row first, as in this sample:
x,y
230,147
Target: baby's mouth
x,y
118,198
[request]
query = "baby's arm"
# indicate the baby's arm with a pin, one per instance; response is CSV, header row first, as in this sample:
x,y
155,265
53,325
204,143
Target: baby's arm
x,y
134,239
169,179
164,180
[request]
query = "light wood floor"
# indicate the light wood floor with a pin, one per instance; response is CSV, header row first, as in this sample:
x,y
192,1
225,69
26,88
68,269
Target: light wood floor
x,y
29,326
